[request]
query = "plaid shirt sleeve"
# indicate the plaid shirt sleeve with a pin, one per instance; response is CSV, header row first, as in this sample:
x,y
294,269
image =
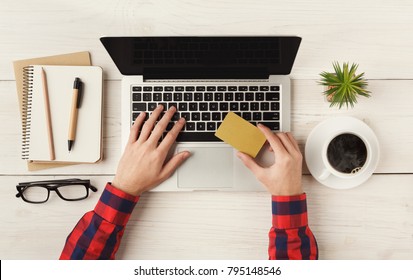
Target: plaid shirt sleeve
x,y
98,233
290,236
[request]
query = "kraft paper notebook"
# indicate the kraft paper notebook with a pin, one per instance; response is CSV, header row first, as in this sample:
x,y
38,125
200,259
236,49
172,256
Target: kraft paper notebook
x,y
77,58
60,80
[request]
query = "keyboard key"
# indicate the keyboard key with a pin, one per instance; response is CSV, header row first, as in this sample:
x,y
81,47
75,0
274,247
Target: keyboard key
x,y
177,96
249,96
259,96
233,106
271,116
169,89
183,107
190,126
188,96
198,96
147,96
136,88
213,106
211,88
253,88
190,88
147,88
255,106
239,96
242,88
244,106
222,88
139,107
211,126
186,116
216,116
264,88
151,106
197,137
256,116
158,88
229,96
272,125
137,96
193,106
208,96
265,106
223,106
206,116
179,88
219,96
200,126
157,96
275,106
247,116
272,96
172,104
195,116
232,88
275,88
200,88
176,117
203,106
167,96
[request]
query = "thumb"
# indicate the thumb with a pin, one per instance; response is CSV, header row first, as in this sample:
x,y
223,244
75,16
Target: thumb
x,y
173,164
250,163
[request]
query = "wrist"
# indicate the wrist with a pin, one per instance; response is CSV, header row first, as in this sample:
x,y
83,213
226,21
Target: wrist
x,y
124,187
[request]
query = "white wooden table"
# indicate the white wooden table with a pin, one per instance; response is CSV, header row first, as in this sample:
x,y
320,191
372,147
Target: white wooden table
x,y
372,221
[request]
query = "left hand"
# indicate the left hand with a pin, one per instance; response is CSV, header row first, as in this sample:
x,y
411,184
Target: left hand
x,y
143,164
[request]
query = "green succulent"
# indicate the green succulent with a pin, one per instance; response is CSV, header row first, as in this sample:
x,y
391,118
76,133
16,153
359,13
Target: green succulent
x,y
344,85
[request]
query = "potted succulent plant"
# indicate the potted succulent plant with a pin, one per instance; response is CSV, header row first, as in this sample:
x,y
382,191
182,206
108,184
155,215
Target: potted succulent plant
x,y
344,86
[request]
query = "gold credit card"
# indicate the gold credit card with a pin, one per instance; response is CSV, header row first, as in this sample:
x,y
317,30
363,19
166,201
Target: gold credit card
x,y
241,134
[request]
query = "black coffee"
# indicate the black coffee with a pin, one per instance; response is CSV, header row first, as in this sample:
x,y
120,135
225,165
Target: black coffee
x,y
347,153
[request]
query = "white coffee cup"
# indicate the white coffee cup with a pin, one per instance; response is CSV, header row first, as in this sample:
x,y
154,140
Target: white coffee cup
x,y
353,167
326,171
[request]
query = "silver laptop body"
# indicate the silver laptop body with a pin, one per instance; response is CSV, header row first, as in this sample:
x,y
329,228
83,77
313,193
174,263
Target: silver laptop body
x,y
206,77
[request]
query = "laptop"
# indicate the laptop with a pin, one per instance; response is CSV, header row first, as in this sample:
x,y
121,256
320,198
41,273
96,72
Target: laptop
x,y
205,78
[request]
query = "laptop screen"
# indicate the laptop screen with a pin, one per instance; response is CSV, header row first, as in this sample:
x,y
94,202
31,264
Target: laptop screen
x,y
203,57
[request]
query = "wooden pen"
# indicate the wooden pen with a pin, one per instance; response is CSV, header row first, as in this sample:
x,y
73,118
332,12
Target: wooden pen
x,y
77,86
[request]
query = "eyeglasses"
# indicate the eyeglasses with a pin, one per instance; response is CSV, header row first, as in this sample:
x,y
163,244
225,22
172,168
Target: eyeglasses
x,y
67,189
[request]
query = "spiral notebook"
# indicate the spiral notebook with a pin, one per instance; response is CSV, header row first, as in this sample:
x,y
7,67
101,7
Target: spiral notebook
x,y
88,142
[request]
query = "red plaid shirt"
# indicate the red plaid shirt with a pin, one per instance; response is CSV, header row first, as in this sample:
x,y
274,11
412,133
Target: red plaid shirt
x,y
98,233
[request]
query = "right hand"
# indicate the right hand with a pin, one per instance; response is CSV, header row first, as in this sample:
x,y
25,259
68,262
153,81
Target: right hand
x,y
283,178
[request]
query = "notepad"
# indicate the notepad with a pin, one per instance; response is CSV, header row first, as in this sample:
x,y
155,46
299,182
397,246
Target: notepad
x,y
241,134
88,144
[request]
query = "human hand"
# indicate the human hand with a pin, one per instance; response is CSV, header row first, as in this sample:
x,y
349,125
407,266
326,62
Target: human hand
x,y
283,178
143,164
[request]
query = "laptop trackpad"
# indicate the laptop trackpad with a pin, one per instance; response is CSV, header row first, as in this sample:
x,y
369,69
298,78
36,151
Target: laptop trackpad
x,y
207,168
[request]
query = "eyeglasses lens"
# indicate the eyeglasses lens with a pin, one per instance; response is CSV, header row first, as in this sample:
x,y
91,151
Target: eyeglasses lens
x,y
73,191
36,194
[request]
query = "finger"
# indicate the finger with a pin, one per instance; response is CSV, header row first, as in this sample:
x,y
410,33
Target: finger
x,y
250,163
292,139
286,142
170,138
170,167
149,124
272,139
161,125
134,131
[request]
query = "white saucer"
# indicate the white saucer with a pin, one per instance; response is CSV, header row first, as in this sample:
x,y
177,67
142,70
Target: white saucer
x,y
324,132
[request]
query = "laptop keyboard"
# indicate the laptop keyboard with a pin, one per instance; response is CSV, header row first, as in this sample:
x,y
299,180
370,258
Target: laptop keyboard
x,y
204,107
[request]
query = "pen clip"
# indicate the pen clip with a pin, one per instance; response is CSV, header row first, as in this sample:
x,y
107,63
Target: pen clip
x,y
79,86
